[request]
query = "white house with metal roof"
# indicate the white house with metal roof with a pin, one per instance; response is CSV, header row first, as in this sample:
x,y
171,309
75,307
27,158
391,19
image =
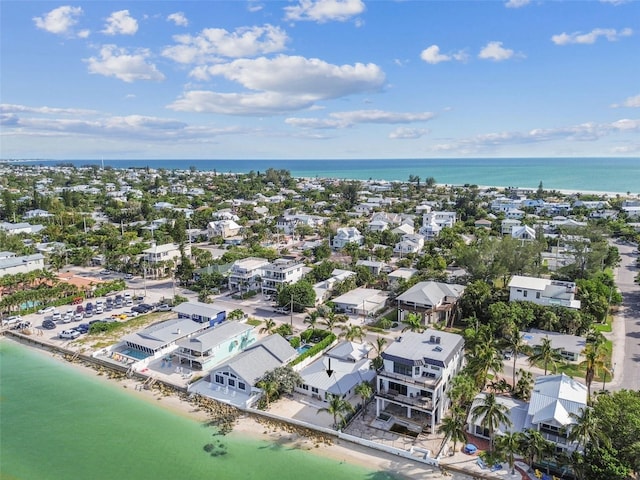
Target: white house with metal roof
x,y
346,235
201,312
553,399
237,378
348,366
416,374
433,301
11,264
569,346
361,301
543,291
161,338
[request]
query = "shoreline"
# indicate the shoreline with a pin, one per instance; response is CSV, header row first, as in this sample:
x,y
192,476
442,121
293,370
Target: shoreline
x,y
244,424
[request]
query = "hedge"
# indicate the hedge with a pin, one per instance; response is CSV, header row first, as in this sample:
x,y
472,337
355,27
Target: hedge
x,y
318,347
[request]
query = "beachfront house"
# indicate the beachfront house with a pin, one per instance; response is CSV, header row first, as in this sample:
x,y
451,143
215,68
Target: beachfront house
x,y
553,399
412,385
433,301
349,367
238,377
210,347
543,291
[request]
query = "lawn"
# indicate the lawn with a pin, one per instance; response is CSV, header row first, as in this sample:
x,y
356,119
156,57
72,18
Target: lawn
x,y
578,371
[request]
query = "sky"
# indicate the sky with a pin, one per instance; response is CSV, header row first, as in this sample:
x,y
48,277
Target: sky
x,y
316,79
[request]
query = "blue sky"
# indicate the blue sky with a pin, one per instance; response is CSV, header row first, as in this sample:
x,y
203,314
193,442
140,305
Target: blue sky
x,y
319,79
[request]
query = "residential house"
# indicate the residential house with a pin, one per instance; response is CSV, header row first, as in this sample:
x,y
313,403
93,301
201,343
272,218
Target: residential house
x,y
282,271
543,291
410,243
403,273
239,375
416,374
246,274
346,235
553,399
483,223
508,224
523,232
37,213
434,222
11,264
162,253
323,289
206,349
161,338
570,347
361,301
374,266
349,367
21,227
201,312
433,301
223,228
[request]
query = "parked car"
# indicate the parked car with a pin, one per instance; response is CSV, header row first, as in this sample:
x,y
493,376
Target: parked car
x,y
22,325
56,316
13,320
131,313
128,276
69,334
48,324
68,316
82,328
163,307
45,310
80,309
78,316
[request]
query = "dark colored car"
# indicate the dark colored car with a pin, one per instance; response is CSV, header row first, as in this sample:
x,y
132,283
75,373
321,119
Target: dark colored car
x,y
80,309
82,328
139,309
49,324
147,307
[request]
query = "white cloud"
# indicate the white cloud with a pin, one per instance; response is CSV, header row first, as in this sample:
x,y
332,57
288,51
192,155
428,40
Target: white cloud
x,y
517,3
496,52
120,23
433,56
350,118
611,34
615,2
631,102
408,133
59,20
12,108
324,10
128,67
215,43
179,19
254,6
278,85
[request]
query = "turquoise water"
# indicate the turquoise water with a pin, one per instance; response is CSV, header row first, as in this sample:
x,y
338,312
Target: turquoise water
x,y
567,173
58,422
303,349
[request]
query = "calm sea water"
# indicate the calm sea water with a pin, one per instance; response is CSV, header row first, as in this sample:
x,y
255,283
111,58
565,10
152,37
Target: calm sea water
x,y
59,423
584,174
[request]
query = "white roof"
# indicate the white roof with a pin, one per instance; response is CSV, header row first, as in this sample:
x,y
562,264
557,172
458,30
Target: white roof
x,y
554,397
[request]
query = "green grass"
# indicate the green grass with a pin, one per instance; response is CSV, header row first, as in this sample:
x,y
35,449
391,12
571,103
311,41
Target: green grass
x,y
577,371
254,322
603,327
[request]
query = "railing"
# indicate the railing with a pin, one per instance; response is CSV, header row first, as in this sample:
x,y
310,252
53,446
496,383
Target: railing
x,y
427,382
424,403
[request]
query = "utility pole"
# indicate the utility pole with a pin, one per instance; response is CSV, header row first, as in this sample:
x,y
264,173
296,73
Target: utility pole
x,y
291,307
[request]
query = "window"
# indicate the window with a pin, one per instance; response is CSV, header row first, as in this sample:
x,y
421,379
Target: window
x,y
537,294
232,383
219,379
242,386
314,389
525,293
402,369
305,386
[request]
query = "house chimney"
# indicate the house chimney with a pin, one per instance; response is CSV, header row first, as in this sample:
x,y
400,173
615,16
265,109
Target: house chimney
x,y
437,339
178,331
432,339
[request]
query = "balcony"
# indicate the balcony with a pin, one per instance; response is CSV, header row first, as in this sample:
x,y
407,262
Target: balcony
x,y
422,382
423,403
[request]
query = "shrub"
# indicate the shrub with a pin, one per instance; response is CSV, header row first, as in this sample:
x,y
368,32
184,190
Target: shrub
x,y
294,342
318,347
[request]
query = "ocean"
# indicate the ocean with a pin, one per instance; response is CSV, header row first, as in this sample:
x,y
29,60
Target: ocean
x,y
618,175
58,422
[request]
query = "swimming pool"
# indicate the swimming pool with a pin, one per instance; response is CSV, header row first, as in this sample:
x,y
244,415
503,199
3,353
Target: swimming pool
x,y
303,348
135,354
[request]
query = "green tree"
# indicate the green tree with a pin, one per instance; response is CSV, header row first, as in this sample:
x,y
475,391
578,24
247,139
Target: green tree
x,y
364,391
269,389
298,296
413,322
491,414
453,428
284,377
269,326
534,446
585,429
546,354
339,408
352,332
509,445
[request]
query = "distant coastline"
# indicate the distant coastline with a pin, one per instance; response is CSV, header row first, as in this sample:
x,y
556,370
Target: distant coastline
x,y
593,175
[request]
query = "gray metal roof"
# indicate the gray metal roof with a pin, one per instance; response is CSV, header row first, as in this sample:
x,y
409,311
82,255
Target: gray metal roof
x,y
164,333
350,351
554,397
17,261
346,375
568,343
205,310
431,293
266,354
214,336
414,348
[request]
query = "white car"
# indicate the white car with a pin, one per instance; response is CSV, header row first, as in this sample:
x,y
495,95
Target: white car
x,y
78,316
11,320
67,317
44,311
56,316
69,334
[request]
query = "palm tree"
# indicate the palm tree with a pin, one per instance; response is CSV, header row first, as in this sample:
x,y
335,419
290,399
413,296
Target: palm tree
x,y
509,444
452,427
492,415
595,359
331,321
413,322
270,389
339,408
515,344
484,359
522,389
585,429
352,332
365,391
312,319
269,326
463,390
534,445
546,354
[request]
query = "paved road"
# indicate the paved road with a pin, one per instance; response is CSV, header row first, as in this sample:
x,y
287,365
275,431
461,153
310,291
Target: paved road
x,y
626,323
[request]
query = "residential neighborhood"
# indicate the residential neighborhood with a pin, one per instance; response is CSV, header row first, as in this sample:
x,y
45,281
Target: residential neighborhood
x,y
435,318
